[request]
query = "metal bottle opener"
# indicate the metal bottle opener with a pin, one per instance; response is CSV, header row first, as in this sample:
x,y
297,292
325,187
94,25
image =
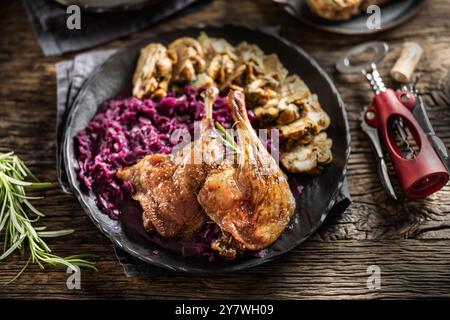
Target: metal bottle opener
x,y
419,167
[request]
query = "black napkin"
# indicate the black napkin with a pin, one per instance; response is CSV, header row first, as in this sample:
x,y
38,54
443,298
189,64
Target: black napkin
x,y
49,24
71,75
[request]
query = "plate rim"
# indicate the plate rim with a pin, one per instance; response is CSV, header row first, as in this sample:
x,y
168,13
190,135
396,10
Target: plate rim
x,y
338,30
72,177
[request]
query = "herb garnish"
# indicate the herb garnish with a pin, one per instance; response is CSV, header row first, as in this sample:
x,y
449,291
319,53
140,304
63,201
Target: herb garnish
x,y
18,216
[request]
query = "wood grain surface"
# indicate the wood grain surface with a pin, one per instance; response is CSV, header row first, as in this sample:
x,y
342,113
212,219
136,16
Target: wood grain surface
x,y
409,241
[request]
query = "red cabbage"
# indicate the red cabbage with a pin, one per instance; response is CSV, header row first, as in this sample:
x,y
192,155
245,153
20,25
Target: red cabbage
x,y
126,129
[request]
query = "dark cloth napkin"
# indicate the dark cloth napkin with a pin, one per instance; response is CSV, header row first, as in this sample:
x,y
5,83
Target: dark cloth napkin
x,y
49,24
71,75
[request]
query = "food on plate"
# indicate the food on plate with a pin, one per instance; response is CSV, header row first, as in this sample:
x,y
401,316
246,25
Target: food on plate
x,y
264,88
278,100
167,188
250,200
220,59
341,9
154,182
249,64
188,59
310,158
287,106
125,130
153,72
217,194
313,121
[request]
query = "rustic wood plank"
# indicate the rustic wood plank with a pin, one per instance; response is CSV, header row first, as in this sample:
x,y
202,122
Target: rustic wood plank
x,y
331,269
408,240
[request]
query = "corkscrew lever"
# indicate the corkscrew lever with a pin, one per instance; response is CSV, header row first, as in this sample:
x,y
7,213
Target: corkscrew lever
x,y
374,137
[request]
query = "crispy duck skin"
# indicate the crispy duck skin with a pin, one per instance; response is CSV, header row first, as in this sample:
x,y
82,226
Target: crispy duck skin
x,y
172,217
251,199
167,187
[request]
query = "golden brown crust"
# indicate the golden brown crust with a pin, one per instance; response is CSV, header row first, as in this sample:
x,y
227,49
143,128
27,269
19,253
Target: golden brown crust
x,y
171,217
251,200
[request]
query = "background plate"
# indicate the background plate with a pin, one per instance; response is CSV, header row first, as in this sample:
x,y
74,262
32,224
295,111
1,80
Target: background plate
x,y
313,203
392,15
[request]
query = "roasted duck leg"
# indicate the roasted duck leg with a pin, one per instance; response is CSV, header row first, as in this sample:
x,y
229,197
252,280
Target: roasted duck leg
x,y
206,151
165,210
166,186
251,199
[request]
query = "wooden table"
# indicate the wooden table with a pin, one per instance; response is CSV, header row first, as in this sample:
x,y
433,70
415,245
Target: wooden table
x,y
410,241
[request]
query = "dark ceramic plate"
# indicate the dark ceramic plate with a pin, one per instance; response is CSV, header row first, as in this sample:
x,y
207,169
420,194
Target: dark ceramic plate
x,y
392,15
319,194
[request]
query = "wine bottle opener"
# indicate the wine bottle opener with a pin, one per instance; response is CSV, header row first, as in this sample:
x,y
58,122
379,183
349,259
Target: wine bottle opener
x,y
419,167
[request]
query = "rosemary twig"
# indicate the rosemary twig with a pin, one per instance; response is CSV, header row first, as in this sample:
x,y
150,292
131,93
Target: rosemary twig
x,y
18,216
228,140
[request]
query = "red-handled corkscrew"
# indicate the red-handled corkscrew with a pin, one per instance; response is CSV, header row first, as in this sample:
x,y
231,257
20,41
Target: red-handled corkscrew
x,y
420,169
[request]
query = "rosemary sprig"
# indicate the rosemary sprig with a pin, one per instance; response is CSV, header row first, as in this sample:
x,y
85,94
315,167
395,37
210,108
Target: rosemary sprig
x,y
18,216
228,140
